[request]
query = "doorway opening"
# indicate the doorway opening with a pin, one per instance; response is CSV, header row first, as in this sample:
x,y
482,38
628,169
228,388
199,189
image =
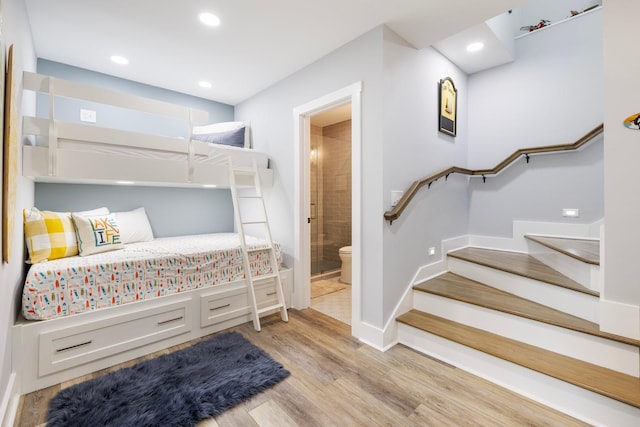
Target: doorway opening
x,y
330,179
301,297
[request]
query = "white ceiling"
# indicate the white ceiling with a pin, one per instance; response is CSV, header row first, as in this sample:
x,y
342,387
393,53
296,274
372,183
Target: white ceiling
x,y
258,43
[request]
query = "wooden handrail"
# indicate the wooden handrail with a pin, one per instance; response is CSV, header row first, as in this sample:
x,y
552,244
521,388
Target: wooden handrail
x,y
395,213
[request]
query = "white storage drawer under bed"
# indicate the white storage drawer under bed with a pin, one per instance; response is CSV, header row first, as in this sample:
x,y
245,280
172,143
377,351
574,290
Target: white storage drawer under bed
x,y
68,347
218,306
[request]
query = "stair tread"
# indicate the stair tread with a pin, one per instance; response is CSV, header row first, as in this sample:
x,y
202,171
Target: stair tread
x,y
584,250
607,382
520,264
450,285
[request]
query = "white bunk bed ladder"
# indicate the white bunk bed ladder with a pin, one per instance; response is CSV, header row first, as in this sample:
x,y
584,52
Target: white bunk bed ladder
x,y
262,223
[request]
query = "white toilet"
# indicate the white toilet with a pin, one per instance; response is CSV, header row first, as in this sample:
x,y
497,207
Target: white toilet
x,y
345,257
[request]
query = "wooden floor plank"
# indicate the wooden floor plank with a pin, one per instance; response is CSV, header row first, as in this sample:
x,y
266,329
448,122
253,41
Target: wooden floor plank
x,y
269,414
342,382
520,264
450,285
606,382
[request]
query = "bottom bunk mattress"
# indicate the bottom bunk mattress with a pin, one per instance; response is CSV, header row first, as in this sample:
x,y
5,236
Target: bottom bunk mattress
x,y
140,271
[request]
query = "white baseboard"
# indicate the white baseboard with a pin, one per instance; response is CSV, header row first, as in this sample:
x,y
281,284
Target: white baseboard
x,y
620,319
9,402
372,336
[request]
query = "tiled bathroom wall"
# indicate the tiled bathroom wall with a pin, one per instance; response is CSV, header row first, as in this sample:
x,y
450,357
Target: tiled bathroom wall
x,y
336,188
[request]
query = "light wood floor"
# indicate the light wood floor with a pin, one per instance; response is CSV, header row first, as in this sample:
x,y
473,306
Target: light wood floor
x,y
338,381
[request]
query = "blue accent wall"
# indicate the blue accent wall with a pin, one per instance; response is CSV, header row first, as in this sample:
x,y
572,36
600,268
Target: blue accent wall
x,y
172,211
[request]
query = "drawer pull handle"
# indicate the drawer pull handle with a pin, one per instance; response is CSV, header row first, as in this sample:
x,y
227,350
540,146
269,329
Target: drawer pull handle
x,y
271,293
73,346
219,307
170,320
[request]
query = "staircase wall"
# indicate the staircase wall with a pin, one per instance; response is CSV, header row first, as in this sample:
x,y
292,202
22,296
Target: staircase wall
x,y
561,101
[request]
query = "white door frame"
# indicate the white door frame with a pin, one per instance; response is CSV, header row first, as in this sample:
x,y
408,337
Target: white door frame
x,y
302,230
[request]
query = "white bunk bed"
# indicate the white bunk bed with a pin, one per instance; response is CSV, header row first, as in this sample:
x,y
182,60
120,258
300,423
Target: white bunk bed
x,y
47,352
77,152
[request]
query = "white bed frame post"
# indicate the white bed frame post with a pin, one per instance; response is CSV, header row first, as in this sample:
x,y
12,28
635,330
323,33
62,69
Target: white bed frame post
x,y
190,167
53,137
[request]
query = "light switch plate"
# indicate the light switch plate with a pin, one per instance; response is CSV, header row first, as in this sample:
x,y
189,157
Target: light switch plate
x,y
395,197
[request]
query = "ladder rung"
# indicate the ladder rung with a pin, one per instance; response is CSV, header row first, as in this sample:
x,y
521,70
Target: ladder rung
x,y
269,308
264,276
244,172
254,222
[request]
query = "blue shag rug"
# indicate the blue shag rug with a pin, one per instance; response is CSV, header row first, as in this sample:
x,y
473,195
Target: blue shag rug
x,y
177,389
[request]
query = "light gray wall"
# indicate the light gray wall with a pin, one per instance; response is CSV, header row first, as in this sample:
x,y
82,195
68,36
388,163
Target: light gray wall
x,y
16,31
171,211
400,143
538,191
271,115
551,94
414,148
118,118
198,211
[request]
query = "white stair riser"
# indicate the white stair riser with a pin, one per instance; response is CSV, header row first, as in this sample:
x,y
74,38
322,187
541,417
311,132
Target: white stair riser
x,y
571,302
598,351
588,275
580,403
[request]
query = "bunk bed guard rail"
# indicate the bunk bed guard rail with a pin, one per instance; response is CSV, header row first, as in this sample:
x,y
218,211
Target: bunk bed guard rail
x,y
55,129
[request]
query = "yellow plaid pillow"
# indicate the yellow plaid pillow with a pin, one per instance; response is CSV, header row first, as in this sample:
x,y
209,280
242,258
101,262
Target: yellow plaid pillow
x,y
49,235
52,235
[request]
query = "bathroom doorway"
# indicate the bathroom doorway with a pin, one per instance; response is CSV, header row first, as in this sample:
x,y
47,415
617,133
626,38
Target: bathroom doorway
x,y
301,297
330,183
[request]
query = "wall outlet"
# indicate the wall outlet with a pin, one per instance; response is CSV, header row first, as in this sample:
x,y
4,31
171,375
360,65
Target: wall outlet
x,y
395,197
88,116
432,251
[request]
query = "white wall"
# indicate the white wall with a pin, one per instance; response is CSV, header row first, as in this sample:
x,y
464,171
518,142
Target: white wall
x,y
414,148
16,31
621,154
551,94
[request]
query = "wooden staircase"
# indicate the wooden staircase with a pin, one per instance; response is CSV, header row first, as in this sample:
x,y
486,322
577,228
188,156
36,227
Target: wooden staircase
x,y
516,320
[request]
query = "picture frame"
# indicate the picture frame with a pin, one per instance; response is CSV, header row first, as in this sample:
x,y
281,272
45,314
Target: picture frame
x,y
447,106
10,157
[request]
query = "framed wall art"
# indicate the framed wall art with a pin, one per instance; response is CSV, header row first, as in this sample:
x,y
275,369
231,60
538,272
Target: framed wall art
x,y
10,154
447,106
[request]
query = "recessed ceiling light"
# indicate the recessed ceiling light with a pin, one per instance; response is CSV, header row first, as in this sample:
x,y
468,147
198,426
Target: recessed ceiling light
x,y
474,47
209,19
204,84
121,60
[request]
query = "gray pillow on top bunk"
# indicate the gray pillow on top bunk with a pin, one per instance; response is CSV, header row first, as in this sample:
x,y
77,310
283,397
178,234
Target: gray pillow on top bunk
x,y
224,133
234,138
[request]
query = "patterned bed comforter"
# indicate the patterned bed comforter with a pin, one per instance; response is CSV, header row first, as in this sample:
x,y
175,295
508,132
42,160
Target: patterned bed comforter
x,y
140,271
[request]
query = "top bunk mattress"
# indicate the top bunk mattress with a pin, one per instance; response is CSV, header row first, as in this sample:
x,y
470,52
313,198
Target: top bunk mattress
x,y
140,271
